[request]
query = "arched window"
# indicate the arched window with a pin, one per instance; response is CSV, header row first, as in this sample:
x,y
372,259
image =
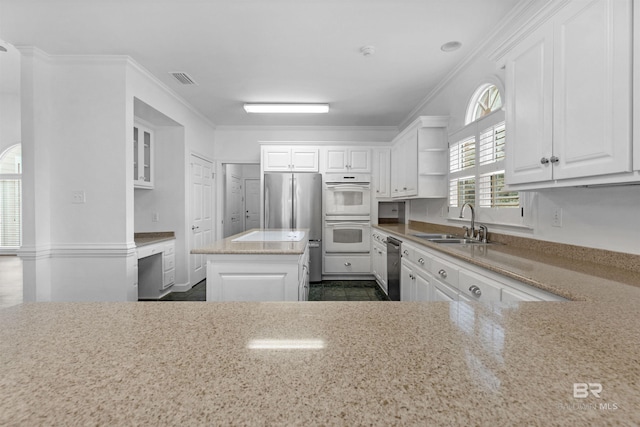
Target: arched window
x,y
486,99
476,160
11,197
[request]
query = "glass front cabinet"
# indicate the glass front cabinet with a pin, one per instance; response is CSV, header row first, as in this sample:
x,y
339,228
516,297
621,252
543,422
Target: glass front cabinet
x,y
143,146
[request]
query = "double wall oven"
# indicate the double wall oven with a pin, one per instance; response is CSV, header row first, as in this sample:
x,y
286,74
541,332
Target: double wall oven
x,y
347,213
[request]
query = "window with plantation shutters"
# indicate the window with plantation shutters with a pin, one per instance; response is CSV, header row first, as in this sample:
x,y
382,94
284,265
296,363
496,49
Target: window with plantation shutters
x,y
11,197
476,171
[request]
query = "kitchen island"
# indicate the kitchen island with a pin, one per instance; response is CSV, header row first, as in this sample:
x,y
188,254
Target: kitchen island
x,y
326,363
258,265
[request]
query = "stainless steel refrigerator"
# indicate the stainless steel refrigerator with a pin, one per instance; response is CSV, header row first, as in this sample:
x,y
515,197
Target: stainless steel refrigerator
x,y
294,200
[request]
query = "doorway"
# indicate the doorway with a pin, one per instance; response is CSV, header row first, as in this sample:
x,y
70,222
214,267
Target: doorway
x,y
241,197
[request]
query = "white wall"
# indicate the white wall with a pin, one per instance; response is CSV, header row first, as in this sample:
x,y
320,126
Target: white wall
x,y
594,217
185,131
77,121
10,121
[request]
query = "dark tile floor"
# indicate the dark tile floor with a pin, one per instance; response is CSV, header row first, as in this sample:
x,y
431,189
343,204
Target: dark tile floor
x,y
335,290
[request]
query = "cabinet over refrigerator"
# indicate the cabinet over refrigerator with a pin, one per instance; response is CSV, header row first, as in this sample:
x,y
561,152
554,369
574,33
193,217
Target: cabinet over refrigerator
x,y
294,200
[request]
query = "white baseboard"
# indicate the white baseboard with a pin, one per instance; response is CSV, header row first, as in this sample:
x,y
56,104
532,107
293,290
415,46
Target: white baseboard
x,y
181,287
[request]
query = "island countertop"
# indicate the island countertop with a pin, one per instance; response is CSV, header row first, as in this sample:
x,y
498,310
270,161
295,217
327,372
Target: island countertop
x,y
328,363
229,246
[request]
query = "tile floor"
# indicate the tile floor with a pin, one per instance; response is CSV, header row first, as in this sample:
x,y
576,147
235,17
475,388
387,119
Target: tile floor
x,y
338,290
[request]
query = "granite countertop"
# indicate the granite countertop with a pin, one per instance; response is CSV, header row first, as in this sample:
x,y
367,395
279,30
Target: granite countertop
x,y
570,278
227,246
143,239
339,363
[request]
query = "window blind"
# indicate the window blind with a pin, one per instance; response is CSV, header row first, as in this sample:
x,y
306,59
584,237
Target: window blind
x,y
10,212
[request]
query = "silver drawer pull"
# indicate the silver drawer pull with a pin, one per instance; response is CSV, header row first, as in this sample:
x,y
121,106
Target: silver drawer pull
x,y
475,290
405,252
443,273
421,261
347,264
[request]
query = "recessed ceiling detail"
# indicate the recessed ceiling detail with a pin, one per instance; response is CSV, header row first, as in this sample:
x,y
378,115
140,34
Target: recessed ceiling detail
x,y
183,78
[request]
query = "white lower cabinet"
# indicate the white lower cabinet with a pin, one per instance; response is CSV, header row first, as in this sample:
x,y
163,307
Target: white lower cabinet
x,y
251,277
156,269
347,264
427,275
379,258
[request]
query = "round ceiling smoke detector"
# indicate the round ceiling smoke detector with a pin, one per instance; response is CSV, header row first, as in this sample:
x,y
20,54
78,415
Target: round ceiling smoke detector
x,y
367,50
450,46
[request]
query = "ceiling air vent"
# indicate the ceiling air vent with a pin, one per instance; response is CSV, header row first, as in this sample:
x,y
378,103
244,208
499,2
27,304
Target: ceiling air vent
x,y
183,78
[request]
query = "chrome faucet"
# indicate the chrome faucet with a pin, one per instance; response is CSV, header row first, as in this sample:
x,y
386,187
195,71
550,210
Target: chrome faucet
x,y
471,233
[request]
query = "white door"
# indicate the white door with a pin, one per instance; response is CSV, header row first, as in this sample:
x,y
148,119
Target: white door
x,y
201,214
234,218
252,203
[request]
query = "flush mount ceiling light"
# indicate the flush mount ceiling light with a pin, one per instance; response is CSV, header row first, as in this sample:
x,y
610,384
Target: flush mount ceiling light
x,y
450,46
286,108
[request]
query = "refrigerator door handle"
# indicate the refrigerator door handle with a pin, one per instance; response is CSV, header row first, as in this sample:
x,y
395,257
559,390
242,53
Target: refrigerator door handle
x,y
266,207
294,220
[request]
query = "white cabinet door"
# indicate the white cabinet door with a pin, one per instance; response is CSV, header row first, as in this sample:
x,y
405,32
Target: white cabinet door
x,y
568,96
304,159
381,172
336,159
289,159
592,89
407,282
359,160
404,166
529,115
346,159
442,292
143,156
276,159
423,287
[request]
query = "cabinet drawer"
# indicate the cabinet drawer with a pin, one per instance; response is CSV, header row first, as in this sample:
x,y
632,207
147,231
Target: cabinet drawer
x,y
169,278
169,249
478,288
169,262
148,250
445,271
347,264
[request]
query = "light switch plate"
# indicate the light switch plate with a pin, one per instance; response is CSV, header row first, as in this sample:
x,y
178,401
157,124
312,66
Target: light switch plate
x,y
556,220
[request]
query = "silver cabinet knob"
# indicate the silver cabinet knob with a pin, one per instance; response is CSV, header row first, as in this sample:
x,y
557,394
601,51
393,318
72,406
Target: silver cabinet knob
x,y
347,264
421,261
405,252
554,159
544,160
194,227
475,290
443,273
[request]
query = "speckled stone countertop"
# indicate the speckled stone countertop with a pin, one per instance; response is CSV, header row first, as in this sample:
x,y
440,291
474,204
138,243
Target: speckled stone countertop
x,y
228,246
143,239
565,276
324,363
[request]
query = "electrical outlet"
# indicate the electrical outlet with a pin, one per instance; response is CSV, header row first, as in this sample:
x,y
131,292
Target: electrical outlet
x,y
556,220
78,197
155,217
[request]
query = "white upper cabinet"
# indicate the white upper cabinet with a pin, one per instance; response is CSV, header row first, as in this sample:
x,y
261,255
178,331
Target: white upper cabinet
x,y
568,96
289,159
347,159
382,172
143,151
419,159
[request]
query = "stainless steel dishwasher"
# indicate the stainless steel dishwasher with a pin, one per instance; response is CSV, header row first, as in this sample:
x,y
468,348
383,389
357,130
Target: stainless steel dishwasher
x,y
393,268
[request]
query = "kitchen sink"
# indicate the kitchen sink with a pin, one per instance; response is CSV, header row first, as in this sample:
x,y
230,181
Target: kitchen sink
x,y
456,240
446,238
430,236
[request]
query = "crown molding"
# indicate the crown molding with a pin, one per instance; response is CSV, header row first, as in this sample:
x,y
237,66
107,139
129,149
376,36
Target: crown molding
x,y
308,128
518,13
